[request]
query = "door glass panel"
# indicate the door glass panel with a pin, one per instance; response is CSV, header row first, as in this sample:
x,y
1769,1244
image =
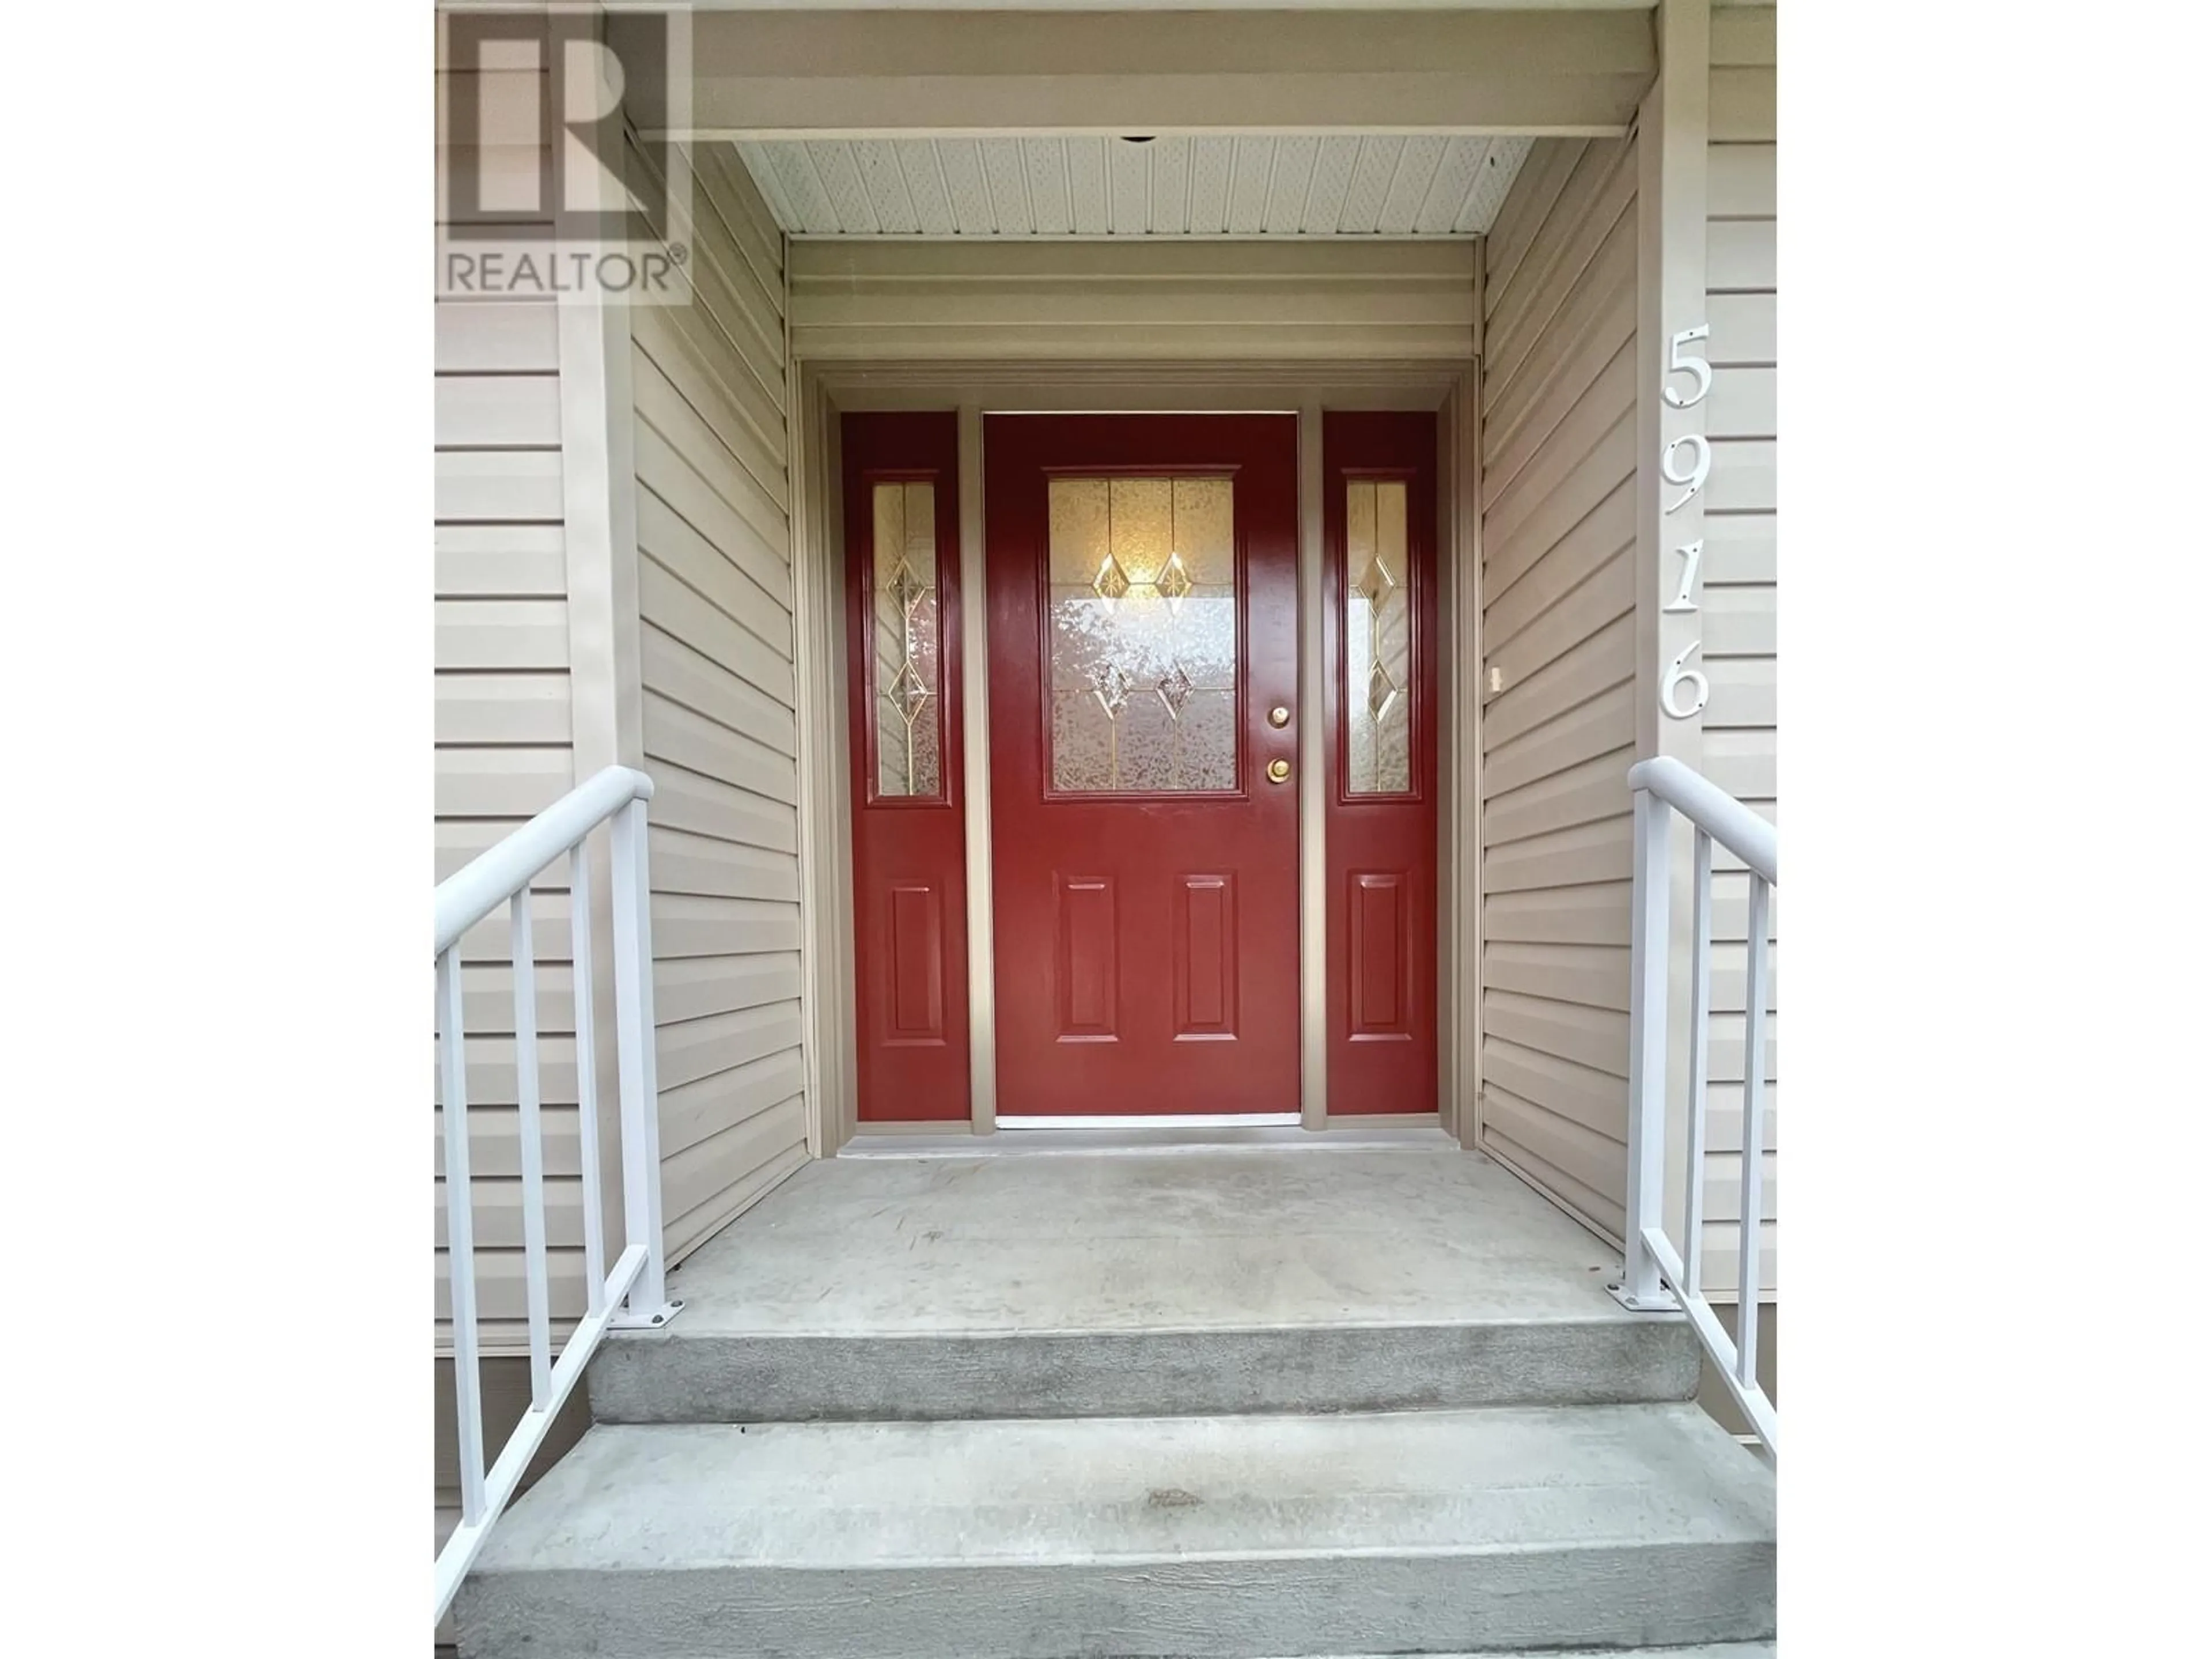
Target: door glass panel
x,y
1144,634
904,576
1377,639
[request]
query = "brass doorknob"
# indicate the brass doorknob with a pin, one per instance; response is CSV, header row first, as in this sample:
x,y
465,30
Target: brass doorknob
x,y
1279,771
1278,717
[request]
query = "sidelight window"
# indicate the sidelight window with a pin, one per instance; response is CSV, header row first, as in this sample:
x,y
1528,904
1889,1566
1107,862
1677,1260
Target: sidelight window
x,y
1377,639
909,691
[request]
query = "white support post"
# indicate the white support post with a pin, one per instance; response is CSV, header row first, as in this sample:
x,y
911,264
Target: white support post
x,y
975,735
1673,130
580,967
1639,1287
536,1280
1747,1284
647,1305
460,1236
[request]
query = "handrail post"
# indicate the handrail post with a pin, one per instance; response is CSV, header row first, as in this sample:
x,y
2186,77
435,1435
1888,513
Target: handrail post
x,y
581,965
638,1281
1701,1004
1640,1287
460,1233
1751,1227
648,1306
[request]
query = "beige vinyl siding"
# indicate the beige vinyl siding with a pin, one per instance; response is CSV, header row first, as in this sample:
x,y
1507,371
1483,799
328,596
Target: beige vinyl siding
x,y
1559,503
710,388
1739,600
1132,300
500,728
502,736
501,747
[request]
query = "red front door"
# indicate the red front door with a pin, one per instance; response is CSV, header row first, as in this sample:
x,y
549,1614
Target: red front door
x,y
1142,576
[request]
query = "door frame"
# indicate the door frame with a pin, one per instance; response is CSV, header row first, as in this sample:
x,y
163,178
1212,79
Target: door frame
x,y
829,389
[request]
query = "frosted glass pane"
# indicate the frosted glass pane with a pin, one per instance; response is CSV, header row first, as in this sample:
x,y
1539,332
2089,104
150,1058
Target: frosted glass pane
x,y
1143,609
1205,529
904,582
1378,639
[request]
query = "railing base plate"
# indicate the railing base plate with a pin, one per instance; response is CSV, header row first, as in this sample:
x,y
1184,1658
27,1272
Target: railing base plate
x,y
653,1319
1663,1302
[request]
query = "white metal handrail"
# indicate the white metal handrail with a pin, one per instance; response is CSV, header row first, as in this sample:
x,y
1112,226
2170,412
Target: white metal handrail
x,y
635,1292
1656,1276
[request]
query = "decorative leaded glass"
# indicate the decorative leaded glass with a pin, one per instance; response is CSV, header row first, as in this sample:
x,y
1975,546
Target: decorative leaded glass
x,y
1144,634
1377,639
908,694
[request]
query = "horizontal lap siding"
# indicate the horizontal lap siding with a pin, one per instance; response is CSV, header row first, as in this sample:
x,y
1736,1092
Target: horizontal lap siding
x,y
502,753
1739,599
1558,619
1134,300
710,390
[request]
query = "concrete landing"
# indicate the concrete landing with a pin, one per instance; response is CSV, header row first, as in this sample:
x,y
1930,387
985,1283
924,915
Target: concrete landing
x,y
1172,1282
1401,1533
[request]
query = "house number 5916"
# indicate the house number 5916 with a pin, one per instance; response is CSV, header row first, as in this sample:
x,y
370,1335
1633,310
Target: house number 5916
x,y
1696,367
1686,461
1680,674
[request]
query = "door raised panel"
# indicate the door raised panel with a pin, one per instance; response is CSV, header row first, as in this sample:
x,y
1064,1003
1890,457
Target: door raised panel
x,y
1206,957
1089,983
1380,950
917,955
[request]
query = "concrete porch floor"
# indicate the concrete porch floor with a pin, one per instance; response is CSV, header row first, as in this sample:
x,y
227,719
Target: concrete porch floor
x,y
1191,1280
1191,1240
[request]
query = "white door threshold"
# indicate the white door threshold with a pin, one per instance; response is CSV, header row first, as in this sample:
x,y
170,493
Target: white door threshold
x,y
1182,1135
1155,1121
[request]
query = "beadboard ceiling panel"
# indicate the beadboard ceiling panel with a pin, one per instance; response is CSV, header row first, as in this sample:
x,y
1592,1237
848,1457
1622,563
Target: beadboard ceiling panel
x,y
1290,184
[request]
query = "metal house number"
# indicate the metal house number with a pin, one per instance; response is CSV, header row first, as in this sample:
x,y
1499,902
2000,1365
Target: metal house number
x,y
1686,462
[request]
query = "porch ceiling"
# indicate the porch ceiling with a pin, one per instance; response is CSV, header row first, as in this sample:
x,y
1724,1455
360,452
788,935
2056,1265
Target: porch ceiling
x,y
1304,185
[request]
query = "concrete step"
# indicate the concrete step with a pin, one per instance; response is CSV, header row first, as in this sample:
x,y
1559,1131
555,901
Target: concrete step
x,y
1424,1531
1701,1650
1201,1282
702,1377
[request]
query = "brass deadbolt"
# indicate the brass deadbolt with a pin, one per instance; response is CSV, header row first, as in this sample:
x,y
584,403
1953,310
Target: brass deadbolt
x,y
1278,717
1279,771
